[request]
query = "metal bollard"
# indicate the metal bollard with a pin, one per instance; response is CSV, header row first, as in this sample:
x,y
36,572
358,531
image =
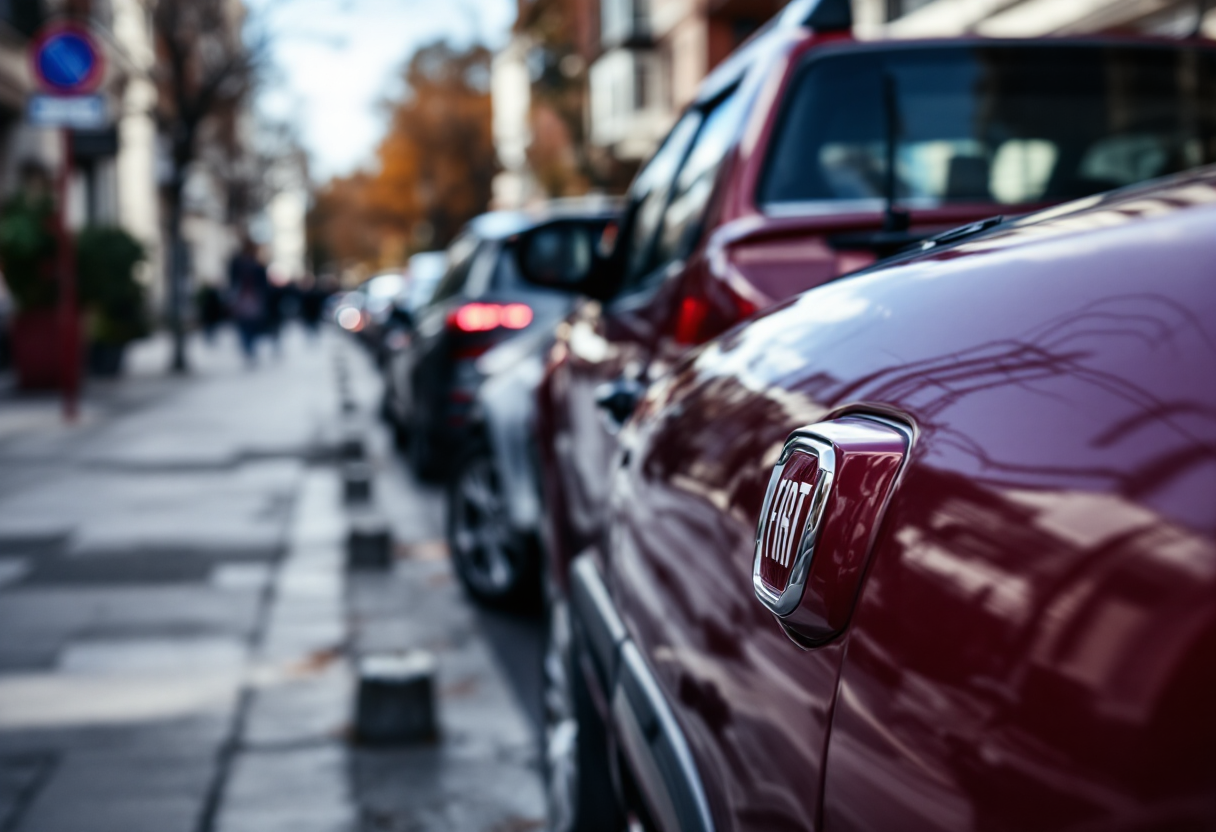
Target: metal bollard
x,y
352,447
396,700
357,483
369,545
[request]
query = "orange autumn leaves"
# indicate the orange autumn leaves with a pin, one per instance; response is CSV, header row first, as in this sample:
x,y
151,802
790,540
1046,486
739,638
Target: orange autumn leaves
x,y
433,173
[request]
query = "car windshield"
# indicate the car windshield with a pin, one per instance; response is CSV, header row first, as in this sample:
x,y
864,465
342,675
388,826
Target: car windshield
x,y
1011,124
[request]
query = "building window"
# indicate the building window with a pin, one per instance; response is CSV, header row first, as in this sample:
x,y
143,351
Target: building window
x,y
642,77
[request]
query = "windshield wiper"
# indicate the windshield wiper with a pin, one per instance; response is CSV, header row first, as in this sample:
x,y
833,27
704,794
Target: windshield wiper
x,y
960,233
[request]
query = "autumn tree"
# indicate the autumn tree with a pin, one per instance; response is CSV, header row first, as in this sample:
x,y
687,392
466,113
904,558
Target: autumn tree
x,y
434,165
564,39
205,71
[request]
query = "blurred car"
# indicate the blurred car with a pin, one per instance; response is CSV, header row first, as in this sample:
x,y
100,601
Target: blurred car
x,y
382,293
481,301
425,271
931,547
493,492
422,275
347,310
806,155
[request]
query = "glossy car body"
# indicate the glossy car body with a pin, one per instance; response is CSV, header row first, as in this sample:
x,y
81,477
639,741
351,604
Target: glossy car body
x,y
1031,642
493,501
742,253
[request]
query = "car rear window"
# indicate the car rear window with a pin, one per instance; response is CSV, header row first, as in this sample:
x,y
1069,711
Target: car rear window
x,y
460,263
1008,124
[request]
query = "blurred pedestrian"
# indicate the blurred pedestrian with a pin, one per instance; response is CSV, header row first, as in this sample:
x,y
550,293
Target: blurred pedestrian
x,y
273,318
211,310
248,290
312,304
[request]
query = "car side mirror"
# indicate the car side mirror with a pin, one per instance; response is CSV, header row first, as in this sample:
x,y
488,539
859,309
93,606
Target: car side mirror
x,y
567,255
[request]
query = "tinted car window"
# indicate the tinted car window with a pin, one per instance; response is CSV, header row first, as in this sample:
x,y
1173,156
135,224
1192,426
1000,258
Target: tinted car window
x,y
460,259
997,123
506,271
695,182
649,194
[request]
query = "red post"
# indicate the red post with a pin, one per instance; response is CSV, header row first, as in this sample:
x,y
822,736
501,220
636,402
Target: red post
x,y
69,317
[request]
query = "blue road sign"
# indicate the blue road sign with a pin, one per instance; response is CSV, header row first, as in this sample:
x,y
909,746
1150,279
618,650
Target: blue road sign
x,y
66,60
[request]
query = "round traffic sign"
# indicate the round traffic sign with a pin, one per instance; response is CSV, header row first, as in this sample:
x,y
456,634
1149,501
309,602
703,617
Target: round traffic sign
x,y
66,60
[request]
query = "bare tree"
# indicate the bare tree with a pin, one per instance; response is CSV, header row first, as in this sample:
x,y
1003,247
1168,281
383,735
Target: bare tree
x,y
207,64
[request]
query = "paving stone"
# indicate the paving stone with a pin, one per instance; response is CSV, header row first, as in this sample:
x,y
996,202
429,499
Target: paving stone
x,y
299,790
121,793
308,703
19,778
171,656
13,569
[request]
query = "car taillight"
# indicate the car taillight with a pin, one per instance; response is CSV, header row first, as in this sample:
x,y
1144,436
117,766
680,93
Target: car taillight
x,y
483,317
694,324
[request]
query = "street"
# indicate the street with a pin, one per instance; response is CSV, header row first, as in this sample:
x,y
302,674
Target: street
x,y
178,630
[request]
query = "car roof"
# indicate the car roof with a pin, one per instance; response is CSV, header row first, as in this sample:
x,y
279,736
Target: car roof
x,y
497,225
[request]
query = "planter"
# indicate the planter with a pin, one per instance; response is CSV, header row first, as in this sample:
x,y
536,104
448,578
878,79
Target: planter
x,y
36,347
105,360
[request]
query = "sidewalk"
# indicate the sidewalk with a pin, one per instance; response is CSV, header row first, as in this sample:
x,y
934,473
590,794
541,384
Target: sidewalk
x,y
175,641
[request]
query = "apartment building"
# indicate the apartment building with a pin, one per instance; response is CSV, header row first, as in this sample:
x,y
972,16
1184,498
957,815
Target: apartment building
x,y
653,54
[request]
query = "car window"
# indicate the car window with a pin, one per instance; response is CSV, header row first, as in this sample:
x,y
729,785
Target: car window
x,y
460,260
506,275
1003,124
695,182
649,196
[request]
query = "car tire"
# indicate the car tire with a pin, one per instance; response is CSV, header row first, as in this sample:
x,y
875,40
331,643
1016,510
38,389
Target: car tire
x,y
496,563
578,779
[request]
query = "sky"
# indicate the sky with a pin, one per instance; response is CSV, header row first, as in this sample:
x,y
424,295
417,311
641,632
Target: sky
x,y
336,61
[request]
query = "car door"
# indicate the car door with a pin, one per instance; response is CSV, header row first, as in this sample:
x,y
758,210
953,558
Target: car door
x,y
606,348
414,369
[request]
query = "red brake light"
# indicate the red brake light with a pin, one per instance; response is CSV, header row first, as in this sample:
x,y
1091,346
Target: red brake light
x,y
516,315
694,324
688,323
483,317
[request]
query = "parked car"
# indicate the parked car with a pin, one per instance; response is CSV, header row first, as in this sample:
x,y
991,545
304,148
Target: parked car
x,y
425,270
807,154
932,547
493,492
381,293
481,301
422,275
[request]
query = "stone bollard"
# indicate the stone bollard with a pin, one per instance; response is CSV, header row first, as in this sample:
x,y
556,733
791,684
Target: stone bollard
x,y
369,545
396,700
357,483
352,447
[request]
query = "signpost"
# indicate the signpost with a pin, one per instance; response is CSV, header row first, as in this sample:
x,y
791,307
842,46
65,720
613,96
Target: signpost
x,y
68,67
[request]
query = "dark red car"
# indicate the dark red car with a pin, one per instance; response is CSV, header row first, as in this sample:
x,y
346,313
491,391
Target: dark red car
x,y
808,154
932,547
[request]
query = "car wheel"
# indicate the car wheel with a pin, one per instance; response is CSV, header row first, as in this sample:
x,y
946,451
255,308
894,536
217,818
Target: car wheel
x,y
578,782
496,564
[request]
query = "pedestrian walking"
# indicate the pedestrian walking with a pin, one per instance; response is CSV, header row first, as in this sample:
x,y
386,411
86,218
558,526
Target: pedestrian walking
x,y
211,311
248,287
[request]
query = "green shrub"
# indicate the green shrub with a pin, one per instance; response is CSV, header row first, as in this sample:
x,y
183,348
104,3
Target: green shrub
x,y
27,251
114,300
